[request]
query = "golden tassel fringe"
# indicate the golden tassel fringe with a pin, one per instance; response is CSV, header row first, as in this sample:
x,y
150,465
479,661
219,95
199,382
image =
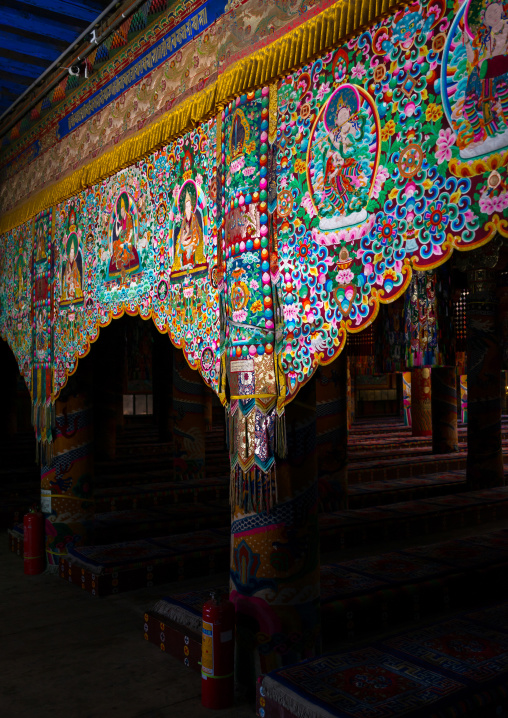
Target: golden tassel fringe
x,y
304,43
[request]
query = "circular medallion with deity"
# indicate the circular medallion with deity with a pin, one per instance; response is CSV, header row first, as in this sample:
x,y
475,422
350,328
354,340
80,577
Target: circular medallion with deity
x,y
216,276
343,157
123,255
162,213
475,79
207,358
162,290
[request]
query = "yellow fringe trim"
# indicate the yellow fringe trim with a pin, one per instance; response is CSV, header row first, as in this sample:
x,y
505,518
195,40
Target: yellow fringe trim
x,y
300,45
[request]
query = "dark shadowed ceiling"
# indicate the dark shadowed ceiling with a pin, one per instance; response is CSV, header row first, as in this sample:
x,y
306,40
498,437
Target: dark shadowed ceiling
x,y
33,34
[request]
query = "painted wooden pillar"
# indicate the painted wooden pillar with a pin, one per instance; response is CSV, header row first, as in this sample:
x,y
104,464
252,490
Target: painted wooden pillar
x,y
162,377
332,433
351,403
463,398
504,391
406,397
188,421
399,385
275,540
67,479
458,395
484,458
275,557
421,414
444,410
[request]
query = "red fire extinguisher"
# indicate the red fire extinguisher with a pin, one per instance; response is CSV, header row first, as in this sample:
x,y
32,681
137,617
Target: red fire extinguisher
x,y
218,653
33,543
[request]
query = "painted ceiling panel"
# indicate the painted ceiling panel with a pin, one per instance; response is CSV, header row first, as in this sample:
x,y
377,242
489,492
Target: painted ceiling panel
x,y
23,69
33,34
17,79
15,19
86,11
43,49
11,89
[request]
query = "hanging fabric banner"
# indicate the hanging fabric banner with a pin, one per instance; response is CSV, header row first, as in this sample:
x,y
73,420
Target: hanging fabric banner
x,y
42,329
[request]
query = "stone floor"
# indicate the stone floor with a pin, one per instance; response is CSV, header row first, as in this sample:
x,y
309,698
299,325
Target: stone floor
x,y
65,653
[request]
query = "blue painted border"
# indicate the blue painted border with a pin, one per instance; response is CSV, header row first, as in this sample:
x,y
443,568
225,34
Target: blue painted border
x,y
155,56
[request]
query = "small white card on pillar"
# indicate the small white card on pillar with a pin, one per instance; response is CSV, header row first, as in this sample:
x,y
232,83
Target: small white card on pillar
x,y
242,365
46,501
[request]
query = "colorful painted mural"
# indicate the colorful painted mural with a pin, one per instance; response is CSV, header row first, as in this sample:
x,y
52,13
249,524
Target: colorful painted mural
x,y
42,320
153,84
463,398
118,251
15,296
185,303
406,394
293,204
421,321
251,305
265,235
373,175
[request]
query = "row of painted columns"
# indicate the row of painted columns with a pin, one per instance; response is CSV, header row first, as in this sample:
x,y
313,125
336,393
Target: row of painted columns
x,y
278,552
275,567
434,391
434,413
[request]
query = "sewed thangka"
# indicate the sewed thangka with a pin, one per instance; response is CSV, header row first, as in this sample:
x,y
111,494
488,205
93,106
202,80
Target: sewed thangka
x,y
16,296
391,154
251,313
42,330
185,300
259,241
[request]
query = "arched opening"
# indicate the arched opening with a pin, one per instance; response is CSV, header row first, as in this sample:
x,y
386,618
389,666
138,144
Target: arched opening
x,y
19,473
137,430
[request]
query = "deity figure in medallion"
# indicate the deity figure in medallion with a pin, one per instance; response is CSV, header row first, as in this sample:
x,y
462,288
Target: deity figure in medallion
x,y
474,87
72,264
124,255
342,158
189,246
486,103
71,279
